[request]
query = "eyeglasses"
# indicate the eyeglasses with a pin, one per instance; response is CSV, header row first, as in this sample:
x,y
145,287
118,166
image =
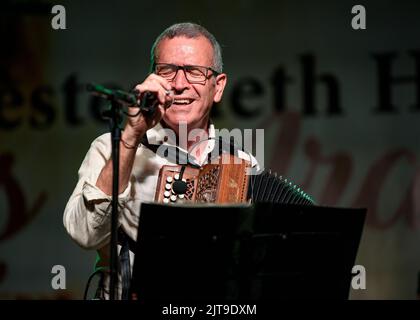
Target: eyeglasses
x,y
194,74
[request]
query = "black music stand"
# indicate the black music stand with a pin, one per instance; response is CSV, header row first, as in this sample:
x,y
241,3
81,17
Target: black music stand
x,y
259,252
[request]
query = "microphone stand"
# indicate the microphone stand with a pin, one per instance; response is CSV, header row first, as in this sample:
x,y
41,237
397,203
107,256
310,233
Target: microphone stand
x,y
115,116
117,99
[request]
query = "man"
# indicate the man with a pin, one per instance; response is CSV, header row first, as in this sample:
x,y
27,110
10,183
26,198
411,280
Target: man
x,y
187,80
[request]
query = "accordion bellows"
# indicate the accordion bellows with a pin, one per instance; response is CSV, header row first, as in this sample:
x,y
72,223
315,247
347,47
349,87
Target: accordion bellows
x,y
268,187
225,182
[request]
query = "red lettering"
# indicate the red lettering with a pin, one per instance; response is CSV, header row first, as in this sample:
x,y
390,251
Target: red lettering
x,y
287,139
19,214
369,193
338,177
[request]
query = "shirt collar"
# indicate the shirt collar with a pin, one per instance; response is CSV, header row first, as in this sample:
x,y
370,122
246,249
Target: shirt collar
x,y
159,135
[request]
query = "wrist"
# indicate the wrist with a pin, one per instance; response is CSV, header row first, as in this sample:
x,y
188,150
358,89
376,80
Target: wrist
x,y
131,138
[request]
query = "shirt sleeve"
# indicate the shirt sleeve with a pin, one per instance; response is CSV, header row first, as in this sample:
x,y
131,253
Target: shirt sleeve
x,y
87,216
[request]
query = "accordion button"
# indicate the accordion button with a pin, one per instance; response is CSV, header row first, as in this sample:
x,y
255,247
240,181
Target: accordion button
x,y
177,176
181,196
173,198
168,186
166,194
169,179
165,200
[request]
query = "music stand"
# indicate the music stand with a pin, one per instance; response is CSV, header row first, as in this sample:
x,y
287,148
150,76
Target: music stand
x,y
258,252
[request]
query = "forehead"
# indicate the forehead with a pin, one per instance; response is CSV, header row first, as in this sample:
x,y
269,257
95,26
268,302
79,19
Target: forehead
x,y
185,51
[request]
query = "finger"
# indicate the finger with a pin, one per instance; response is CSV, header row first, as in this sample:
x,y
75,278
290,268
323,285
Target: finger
x,y
133,111
152,83
155,87
169,99
163,82
161,110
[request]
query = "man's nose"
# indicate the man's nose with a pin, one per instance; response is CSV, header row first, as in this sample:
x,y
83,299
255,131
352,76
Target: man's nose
x,y
180,81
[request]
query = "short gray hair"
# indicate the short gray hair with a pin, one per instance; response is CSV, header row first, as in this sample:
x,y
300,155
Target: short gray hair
x,y
189,30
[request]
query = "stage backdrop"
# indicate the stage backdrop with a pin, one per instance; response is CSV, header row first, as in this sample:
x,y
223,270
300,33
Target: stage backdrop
x,y
340,108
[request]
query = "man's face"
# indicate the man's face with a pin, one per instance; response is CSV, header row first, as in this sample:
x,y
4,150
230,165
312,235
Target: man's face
x,y
200,97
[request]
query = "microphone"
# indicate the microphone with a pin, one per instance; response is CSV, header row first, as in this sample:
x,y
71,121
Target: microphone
x,y
147,104
111,94
150,101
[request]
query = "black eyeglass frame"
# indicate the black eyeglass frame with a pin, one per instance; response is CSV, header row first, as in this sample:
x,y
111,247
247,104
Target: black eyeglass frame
x,y
184,68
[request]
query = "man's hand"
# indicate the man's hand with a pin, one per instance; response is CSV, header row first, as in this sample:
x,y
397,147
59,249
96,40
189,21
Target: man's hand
x,y
137,126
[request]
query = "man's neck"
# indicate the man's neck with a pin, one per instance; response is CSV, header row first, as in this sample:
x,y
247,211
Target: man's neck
x,y
188,136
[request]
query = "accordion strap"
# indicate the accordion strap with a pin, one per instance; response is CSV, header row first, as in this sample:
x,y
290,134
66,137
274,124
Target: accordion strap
x,y
127,244
172,153
176,155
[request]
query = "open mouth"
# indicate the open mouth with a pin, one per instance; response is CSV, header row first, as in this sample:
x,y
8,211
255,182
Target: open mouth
x,y
183,102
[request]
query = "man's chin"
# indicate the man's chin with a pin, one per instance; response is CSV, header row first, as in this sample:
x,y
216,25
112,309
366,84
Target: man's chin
x,y
174,121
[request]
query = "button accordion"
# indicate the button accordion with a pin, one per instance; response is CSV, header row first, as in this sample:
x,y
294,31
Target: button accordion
x,y
226,181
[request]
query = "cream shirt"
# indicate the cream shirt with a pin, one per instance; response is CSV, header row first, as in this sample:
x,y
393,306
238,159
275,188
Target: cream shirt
x,y
87,216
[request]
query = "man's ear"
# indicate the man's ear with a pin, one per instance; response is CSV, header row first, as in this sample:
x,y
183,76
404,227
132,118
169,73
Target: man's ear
x,y
221,80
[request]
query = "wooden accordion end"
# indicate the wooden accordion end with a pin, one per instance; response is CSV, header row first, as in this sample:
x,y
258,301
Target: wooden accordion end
x,y
225,182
